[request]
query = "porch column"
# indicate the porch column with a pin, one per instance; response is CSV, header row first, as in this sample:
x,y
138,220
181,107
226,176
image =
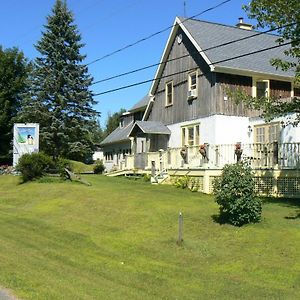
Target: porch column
x,y
133,145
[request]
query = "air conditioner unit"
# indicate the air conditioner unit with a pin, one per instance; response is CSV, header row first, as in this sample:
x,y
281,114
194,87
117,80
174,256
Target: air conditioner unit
x,y
192,94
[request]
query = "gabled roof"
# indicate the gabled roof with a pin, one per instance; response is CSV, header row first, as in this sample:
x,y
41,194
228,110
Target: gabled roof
x,y
120,134
209,35
205,35
150,127
140,104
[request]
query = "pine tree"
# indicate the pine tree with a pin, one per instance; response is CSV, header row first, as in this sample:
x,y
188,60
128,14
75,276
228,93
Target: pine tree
x,y
59,98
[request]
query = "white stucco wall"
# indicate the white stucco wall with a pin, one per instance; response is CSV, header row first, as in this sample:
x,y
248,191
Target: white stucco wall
x,y
98,155
214,130
219,129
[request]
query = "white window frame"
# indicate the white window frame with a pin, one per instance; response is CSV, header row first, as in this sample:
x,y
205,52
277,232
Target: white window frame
x,y
169,103
185,135
254,87
193,86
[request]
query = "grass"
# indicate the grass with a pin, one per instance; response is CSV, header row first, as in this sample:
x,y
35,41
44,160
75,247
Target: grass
x,y
117,240
80,167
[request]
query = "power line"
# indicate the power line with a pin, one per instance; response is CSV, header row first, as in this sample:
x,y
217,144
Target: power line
x,y
186,55
188,70
156,33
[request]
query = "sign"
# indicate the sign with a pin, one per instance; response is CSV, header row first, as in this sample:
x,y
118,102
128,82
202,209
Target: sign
x,y
26,140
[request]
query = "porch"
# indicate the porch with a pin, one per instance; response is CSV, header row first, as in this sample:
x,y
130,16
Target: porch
x,y
278,156
276,166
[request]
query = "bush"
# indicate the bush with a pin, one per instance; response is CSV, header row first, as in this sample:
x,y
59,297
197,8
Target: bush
x,y
147,177
99,167
34,165
234,192
182,182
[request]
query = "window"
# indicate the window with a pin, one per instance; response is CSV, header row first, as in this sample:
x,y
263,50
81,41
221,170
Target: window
x,y
169,93
267,133
261,88
121,122
190,135
193,81
192,85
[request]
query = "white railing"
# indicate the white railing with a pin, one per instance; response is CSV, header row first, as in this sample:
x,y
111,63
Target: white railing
x,y
272,155
258,156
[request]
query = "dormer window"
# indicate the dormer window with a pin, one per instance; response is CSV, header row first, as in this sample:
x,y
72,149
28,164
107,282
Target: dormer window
x,y
169,93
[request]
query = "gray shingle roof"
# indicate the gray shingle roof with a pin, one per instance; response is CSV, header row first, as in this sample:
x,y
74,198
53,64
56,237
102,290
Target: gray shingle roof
x,y
208,35
141,104
152,127
118,135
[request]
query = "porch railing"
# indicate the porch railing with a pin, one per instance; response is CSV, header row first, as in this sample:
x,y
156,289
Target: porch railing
x,y
258,156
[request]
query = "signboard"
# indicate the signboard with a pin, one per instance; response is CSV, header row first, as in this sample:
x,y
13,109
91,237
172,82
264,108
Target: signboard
x,y
26,140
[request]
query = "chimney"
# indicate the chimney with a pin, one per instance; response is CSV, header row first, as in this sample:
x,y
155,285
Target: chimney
x,y
243,25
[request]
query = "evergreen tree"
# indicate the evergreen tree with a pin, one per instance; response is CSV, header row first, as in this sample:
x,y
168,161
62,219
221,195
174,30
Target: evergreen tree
x,y
59,98
14,70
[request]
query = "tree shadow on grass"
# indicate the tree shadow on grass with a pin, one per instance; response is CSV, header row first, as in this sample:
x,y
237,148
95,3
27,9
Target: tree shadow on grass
x,y
219,219
286,202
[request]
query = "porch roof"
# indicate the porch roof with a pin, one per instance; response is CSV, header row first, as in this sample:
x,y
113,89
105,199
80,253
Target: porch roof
x,y
150,127
120,134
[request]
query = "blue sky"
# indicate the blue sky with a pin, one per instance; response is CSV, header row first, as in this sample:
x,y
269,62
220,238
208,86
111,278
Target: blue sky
x,y
106,26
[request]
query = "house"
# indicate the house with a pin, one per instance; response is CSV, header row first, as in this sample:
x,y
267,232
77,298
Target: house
x,y
189,104
118,144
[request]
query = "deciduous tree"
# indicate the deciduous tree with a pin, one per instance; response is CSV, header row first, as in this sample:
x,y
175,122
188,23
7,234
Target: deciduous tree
x,y
285,15
14,69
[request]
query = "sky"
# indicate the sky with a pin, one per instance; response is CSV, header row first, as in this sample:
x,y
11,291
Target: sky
x,y
106,26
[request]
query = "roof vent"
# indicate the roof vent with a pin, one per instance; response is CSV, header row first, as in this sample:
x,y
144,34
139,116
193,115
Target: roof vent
x,y
243,25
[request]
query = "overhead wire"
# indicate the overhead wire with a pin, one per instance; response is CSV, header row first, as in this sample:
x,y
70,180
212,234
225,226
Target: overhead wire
x,y
188,70
156,33
186,55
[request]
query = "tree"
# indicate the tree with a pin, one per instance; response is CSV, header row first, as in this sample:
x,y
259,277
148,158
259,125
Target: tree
x,y
284,14
59,98
14,69
113,121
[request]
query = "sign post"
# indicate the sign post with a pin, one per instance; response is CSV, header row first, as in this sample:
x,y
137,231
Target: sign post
x,y
26,140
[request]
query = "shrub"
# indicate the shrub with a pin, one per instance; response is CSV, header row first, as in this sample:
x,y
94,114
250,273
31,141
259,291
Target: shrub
x,y
99,167
34,165
182,182
147,177
234,192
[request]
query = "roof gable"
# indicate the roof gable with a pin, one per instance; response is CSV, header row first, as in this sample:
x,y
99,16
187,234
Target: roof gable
x,y
207,38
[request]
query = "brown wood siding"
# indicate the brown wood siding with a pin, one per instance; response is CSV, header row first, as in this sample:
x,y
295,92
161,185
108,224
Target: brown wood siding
x,y
280,89
297,92
182,109
227,106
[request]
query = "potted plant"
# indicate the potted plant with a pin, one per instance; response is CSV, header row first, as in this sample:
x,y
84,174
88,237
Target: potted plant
x,y
238,151
203,151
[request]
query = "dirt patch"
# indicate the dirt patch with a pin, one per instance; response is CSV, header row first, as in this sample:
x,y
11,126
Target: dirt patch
x,y
7,295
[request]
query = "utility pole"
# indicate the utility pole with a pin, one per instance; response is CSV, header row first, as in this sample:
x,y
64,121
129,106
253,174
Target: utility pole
x,y
184,8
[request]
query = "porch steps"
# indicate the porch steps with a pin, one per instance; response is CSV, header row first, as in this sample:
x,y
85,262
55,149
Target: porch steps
x,y
117,173
160,177
127,173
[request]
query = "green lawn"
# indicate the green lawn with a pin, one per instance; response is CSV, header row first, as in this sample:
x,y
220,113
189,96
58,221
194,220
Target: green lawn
x,y
117,240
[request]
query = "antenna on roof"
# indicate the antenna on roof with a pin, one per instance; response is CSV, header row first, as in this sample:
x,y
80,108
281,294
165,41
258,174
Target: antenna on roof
x,y
184,8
